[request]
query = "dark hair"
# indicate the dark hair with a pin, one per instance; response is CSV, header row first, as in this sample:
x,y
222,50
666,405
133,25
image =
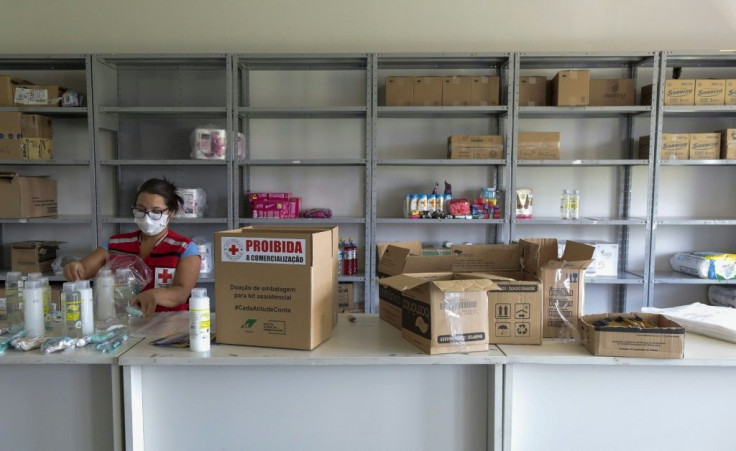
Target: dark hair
x,y
165,189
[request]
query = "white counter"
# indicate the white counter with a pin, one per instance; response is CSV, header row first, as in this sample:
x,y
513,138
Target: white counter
x,y
62,400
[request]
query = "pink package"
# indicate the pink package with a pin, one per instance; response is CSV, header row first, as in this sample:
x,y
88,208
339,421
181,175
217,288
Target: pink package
x,y
294,207
458,207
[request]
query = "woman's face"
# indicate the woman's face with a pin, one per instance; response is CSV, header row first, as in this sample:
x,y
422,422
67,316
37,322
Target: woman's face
x,y
152,202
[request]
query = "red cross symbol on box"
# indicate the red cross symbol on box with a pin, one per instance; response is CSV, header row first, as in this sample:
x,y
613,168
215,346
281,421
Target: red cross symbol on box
x,y
233,249
164,276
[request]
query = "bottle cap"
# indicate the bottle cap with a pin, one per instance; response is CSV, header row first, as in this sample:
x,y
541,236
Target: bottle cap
x,y
104,272
199,292
34,275
69,286
82,285
44,281
14,275
34,283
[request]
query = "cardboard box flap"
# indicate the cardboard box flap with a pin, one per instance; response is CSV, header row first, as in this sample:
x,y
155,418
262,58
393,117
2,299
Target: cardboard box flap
x,y
576,265
462,285
9,175
35,244
482,275
403,282
414,246
575,251
486,258
536,252
397,260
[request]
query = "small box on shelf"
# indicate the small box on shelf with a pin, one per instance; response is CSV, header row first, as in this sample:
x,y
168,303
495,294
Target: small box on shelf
x,y
533,91
484,91
612,92
427,91
679,92
538,146
456,90
571,88
710,92
399,91
704,146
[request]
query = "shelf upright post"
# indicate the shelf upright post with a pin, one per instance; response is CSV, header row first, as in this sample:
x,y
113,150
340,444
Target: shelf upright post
x,y
512,147
231,153
370,298
91,153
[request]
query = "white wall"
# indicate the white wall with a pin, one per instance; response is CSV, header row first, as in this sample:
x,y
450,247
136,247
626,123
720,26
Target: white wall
x,y
79,26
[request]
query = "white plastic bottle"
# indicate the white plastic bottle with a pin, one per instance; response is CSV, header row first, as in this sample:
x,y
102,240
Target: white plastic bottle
x,y
87,315
105,295
71,302
575,205
33,308
12,296
565,198
199,320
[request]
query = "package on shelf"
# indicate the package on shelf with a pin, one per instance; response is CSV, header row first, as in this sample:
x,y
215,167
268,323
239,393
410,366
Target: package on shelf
x,y
346,297
194,203
27,197
605,257
456,90
665,341
533,91
646,95
538,146
722,295
7,87
206,261
706,265
563,280
612,92
730,97
675,146
475,147
33,256
710,92
728,143
571,88
484,90
274,205
427,91
37,95
679,92
704,146
26,137
276,286
209,142
399,91
442,313
524,203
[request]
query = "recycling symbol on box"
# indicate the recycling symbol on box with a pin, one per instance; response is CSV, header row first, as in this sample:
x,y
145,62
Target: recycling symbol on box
x,y
522,329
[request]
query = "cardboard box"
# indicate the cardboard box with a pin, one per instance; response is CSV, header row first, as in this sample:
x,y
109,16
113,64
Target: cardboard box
x,y
665,342
612,92
728,143
27,197
538,146
571,88
7,85
705,146
646,95
442,313
730,97
533,91
710,92
399,91
276,286
427,91
475,153
675,146
456,90
399,258
679,92
33,256
563,280
484,91
475,146
37,95
25,137
605,258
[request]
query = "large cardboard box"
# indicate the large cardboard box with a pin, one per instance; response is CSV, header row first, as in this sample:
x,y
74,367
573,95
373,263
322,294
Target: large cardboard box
x,y
679,92
484,91
37,95
33,256
475,146
667,341
728,143
399,91
27,197
538,146
7,85
710,92
612,92
675,146
456,90
442,313
276,286
730,97
427,91
563,280
533,91
399,258
571,88
705,146
25,136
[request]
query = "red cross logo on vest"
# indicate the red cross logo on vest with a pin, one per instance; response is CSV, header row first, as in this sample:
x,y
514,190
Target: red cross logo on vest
x,y
164,277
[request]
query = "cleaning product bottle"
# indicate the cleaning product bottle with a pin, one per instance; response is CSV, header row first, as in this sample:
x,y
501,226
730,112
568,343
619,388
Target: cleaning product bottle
x,y
199,320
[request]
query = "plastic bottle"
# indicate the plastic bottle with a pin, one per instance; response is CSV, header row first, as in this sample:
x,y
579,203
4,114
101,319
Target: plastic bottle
x,y
353,257
565,199
199,321
47,319
124,291
422,203
12,297
341,257
33,308
71,302
575,204
407,205
87,311
104,295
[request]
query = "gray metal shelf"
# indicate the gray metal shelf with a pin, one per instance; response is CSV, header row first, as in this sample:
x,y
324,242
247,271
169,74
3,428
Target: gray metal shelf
x,y
172,61
697,162
55,112
306,162
694,221
446,61
699,111
355,278
445,221
163,162
302,61
129,220
585,60
440,111
623,278
582,221
438,162
581,163
303,112
175,110
581,112
45,162
294,221
674,277
63,219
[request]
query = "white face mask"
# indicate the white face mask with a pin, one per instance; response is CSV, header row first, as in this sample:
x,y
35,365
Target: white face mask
x,y
151,227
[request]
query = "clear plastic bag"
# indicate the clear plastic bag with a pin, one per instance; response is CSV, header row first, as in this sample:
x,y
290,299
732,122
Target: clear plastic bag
x,y
62,260
209,142
138,268
195,203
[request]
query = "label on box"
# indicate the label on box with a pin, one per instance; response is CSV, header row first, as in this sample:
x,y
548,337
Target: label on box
x,y
28,96
264,250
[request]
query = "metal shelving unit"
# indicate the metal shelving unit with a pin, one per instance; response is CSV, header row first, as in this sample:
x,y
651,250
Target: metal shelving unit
x,y
689,66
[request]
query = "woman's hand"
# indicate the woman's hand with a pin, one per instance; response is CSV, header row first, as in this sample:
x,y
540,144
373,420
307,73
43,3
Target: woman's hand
x,y
147,302
74,271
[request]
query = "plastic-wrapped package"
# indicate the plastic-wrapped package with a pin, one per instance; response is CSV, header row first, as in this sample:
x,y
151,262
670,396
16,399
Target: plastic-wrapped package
x,y
722,295
195,203
318,213
138,268
62,260
27,343
458,207
712,321
209,142
205,254
706,265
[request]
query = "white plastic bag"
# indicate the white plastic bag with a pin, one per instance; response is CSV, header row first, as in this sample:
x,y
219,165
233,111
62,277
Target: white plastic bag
x,y
708,320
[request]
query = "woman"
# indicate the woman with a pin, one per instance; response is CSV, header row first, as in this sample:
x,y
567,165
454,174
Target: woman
x,y
173,258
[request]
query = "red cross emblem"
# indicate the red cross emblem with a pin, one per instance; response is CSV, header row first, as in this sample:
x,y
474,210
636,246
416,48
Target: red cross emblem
x,y
233,249
164,276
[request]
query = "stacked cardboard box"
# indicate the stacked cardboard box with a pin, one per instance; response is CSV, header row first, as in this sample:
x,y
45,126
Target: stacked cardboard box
x,y
538,146
728,143
693,146
475,147
25,137
571,88
612,92
33,256
453,90
27,197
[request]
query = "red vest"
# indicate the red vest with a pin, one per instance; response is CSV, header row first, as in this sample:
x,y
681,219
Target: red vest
x,y
162,260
